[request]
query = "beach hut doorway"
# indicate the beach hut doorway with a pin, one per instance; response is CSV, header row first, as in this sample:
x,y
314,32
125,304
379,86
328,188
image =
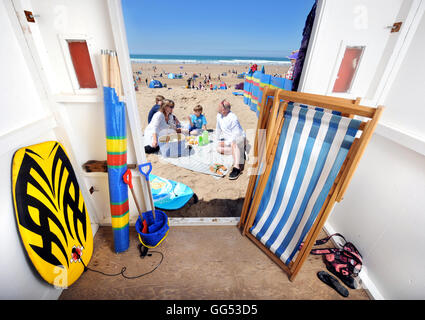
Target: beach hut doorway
x,y
219,200
357,50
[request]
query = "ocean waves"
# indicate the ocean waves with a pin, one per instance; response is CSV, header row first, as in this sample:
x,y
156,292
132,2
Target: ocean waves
x,y
208,60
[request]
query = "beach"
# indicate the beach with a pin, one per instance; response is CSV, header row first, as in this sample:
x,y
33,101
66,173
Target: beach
x,y
216,197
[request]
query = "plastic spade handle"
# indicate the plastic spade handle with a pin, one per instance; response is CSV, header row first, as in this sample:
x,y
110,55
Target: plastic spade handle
x,y
146,174
127,178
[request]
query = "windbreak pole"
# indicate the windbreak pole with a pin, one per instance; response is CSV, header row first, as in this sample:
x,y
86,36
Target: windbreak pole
x,y
116,147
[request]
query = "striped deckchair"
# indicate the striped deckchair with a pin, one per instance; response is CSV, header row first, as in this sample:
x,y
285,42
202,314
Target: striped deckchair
x,y
312,153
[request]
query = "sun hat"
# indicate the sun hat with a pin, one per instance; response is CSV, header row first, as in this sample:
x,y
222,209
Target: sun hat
x,y
293,56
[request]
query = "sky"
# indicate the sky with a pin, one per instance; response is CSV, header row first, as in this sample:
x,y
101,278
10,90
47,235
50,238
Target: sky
x,y
268,28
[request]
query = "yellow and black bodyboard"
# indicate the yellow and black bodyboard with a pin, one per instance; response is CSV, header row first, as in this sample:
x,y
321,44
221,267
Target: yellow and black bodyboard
x,y
50,212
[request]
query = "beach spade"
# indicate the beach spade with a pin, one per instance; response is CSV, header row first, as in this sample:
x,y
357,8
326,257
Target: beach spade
x,y
146,174
128,181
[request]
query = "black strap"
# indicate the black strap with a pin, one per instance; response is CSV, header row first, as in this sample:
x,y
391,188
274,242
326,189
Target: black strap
x,y
324,240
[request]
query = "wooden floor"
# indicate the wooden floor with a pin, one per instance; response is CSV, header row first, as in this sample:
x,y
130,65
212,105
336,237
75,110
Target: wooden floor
x,y
199,263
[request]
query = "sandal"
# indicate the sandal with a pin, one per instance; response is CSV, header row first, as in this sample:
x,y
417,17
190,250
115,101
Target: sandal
x,y
332,282
347,280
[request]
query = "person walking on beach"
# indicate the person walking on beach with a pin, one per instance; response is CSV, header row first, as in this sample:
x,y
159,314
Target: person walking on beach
x,y
230,137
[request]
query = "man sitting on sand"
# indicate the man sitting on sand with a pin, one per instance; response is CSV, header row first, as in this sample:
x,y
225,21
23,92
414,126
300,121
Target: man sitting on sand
x,y
231,137
155,108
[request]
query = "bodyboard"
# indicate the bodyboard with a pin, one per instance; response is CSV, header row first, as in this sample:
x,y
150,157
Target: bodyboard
x,y
168,194
50,212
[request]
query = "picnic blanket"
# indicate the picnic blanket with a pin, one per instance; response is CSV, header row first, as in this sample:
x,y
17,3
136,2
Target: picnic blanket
x,y
203,159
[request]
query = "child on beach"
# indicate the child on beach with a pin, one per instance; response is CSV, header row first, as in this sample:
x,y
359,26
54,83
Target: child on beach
x,y
197,120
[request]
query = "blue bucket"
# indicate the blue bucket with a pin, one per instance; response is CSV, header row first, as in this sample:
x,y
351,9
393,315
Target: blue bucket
x,y
157,230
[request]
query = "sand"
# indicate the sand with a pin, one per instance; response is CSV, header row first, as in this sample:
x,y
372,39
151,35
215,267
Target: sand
x,y
216,197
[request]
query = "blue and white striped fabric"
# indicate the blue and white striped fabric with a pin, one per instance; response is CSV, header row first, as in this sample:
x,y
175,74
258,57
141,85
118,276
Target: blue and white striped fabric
x,y
312,148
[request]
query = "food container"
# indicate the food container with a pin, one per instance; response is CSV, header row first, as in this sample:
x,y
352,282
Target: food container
x,y
172,146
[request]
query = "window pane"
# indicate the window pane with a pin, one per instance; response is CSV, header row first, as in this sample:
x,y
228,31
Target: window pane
x,y
82,64
347,69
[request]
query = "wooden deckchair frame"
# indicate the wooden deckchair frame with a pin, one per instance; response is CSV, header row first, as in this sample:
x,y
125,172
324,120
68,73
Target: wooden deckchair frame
x,y
273,125
263,120
262,124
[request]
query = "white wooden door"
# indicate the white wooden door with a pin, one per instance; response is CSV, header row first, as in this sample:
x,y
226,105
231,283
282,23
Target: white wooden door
x,y
341,25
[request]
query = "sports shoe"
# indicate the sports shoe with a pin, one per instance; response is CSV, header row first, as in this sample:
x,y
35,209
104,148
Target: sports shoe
x,y
235,173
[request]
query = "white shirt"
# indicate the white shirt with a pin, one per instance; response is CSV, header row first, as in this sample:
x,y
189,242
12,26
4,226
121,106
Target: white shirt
x,y
159,126
229,128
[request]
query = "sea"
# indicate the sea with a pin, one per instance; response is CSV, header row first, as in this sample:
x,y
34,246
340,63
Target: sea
x,y
195,59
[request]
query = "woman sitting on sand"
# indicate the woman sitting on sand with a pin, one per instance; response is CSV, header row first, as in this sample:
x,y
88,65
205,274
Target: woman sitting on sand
x,y
163,122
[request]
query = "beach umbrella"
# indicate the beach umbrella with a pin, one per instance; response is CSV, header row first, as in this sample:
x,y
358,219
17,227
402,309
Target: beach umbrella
x,y
116,147
263,70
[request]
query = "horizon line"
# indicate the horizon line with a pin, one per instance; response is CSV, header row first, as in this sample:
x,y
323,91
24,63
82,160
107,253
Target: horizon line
x,y
210,55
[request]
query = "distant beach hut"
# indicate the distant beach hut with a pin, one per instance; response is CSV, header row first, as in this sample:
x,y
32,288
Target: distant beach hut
x,y
155,84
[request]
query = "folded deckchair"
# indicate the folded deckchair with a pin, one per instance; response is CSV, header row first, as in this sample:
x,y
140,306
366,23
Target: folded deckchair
x,y
312,148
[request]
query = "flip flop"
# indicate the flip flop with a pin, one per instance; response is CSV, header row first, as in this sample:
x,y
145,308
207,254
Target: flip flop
x,y
348,281
332,282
